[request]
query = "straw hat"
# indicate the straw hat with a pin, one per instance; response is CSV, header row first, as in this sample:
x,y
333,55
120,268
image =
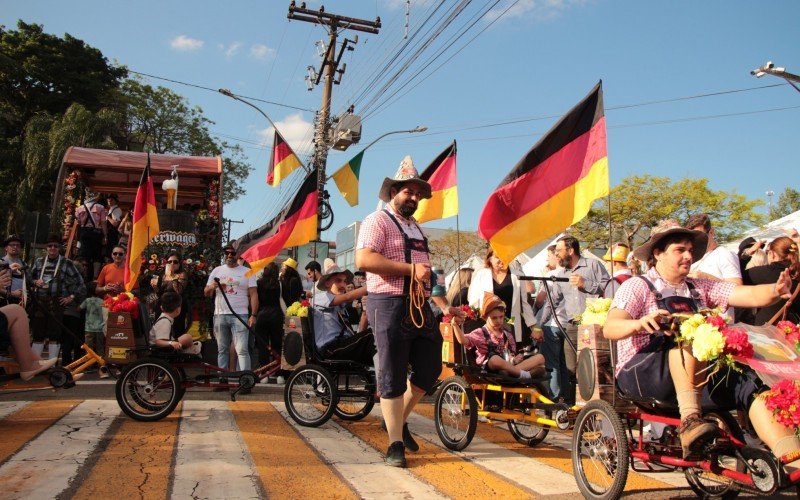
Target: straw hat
x,y
490,303
405,173
290,262
330,269
666,228
617,253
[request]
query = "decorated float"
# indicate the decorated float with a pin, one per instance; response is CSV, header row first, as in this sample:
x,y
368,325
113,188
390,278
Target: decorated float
x,y
189,210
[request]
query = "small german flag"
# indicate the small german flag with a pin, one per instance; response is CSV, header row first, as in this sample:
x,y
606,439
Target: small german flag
x,y
282,161
554,184
145,227
296,225
346,179
441,175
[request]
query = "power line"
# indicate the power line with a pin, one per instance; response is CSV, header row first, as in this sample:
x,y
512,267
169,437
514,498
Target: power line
x,y
217,91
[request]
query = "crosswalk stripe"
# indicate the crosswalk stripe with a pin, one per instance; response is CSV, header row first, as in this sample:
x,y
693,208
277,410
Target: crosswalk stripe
x,y
509,464
9,407
211,459
452,475
139,452
45,466
279,452
31,419
360,464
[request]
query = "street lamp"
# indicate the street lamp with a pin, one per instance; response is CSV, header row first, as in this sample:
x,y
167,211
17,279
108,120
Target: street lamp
x,y
415,130
770,69
769,194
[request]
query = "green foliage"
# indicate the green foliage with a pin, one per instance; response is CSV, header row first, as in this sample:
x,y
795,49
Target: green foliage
x,y
447,250
639,202
788,202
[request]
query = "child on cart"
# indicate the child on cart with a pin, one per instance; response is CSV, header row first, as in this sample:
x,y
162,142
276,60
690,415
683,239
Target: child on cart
x,y
494,344
161,331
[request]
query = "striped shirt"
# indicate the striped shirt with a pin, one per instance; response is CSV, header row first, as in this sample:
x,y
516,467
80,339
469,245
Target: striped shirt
x,y
380,234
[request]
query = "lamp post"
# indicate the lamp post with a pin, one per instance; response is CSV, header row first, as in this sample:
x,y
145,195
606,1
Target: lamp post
x,y
415,130
769,194
770,69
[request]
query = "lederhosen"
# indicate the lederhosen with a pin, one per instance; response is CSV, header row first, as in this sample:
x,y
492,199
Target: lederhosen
x,y
647,374
91,238
44,325
394,331
492,348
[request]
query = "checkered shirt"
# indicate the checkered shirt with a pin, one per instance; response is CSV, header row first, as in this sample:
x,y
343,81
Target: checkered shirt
x,y
379,233
635,298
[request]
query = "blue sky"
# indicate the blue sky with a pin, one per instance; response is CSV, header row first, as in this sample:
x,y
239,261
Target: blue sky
x,y
536,60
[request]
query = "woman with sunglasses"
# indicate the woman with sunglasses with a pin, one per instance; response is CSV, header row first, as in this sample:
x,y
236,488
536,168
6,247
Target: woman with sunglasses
x,y
173,279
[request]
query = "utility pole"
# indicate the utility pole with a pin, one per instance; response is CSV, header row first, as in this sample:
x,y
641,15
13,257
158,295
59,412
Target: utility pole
x,y
328,70
228,223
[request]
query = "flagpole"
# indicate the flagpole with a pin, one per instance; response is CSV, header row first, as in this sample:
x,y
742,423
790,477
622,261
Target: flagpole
x,y
458,256
611,243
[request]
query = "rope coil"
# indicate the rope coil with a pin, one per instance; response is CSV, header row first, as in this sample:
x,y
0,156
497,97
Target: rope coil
x,y
416,301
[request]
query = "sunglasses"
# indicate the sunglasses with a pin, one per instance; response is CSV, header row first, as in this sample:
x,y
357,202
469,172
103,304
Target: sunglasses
x,y
228,252
53,245
173,262
117,253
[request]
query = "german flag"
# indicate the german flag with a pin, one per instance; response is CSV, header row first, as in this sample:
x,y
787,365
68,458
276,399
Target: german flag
x,y
282,161
346,179
441,175
294,226
145,226
554,184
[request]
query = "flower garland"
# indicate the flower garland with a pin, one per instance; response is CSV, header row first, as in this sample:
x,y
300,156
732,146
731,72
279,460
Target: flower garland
x,y
70,199
471,314
714,341
596,312
213,200
299,309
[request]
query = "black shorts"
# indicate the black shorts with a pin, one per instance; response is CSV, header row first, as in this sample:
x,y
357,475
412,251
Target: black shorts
x,y
646,375
5,337
401,344
44,325
91,243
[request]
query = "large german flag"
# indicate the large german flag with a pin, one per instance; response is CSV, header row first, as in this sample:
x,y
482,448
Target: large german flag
x,y
554,184
282,161
441,175
294,226
145,226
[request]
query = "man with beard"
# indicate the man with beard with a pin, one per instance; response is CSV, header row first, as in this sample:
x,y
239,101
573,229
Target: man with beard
x,y
13,257
392,250
587,277
241,293
59,290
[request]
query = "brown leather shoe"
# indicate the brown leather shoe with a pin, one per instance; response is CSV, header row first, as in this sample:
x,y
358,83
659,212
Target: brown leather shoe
x,y
695,434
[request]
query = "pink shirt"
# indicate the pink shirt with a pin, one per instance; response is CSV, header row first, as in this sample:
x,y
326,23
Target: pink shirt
x,y
635,298
380,234
476,340
98,214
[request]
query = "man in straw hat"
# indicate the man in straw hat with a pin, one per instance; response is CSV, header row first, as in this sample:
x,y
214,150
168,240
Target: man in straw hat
x,y
392,250
651,365
333,335
617,258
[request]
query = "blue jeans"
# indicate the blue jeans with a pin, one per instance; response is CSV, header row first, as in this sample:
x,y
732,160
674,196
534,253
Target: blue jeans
x,y
225,326
553,349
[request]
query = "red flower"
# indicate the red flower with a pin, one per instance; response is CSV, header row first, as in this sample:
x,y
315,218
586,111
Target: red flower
x,y
737,343
305,303
789,329
784,401
717,321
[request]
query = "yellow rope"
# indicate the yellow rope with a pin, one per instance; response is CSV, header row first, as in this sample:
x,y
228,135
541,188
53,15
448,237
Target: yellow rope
x,y
417,299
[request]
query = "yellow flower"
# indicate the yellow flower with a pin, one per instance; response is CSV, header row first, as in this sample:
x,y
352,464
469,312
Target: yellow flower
x,y
303,312
707,342
689,327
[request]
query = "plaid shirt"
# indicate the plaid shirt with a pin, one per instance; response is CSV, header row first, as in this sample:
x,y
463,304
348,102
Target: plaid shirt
x,y
634,297
380,234
67,281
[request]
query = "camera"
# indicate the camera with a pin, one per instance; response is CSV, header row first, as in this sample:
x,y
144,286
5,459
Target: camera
x,y
668,323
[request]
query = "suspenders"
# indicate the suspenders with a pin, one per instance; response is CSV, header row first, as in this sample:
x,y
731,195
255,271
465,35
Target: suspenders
x,y
409,245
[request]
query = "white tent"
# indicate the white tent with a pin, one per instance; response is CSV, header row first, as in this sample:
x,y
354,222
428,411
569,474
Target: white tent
x,y
770,231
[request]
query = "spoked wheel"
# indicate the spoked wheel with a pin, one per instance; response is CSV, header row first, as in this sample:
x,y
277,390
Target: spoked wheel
x,y
456,413
148,390
767,474
528,433
706,484
59,377
310,395
600,455
355,391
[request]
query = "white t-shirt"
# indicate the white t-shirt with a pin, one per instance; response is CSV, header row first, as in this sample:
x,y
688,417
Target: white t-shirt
x,y
161,329
722,264
236,286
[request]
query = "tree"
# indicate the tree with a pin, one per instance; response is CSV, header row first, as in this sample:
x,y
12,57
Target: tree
x,y
448,251
788,202
639,202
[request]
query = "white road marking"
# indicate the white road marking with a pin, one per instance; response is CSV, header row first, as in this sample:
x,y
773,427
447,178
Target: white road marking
x,y
9,407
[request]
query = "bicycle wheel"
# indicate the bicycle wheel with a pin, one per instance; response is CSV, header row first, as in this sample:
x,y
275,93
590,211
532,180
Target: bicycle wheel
x,y
310,395
148,390
456,413
527,433
355,392
600,454
706,484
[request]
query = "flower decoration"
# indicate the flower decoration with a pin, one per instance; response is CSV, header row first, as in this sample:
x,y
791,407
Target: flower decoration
x,y
123,302
713,340
70,200
596,312
791,331
298,309
470,313
783,399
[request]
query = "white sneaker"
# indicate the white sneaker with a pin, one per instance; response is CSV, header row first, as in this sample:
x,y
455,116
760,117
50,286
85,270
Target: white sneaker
x,y
196,348
280,380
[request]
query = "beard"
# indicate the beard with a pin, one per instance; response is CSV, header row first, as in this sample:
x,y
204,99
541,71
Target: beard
x,y
407,209
566,262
